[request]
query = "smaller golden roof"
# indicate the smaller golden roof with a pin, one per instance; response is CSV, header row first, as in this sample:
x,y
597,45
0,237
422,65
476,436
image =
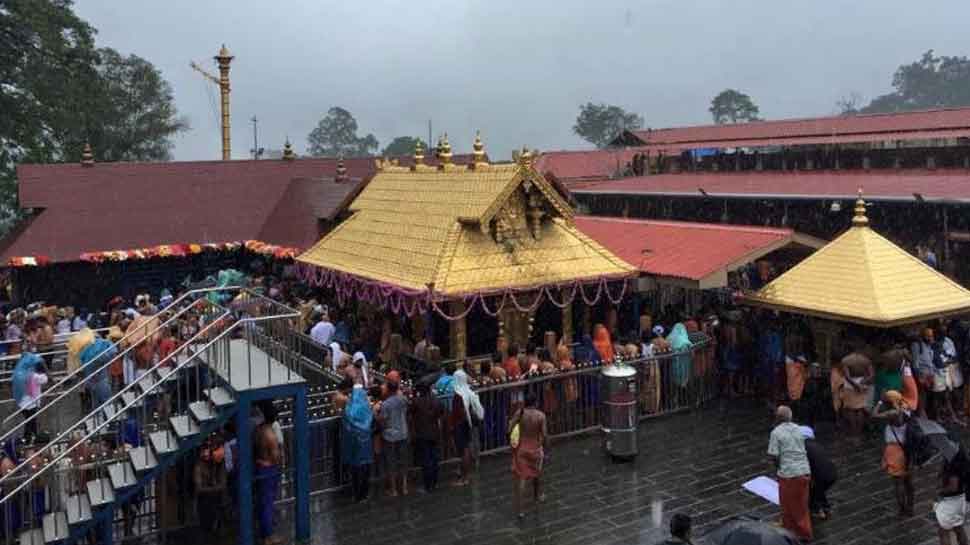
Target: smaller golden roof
x,y
861,277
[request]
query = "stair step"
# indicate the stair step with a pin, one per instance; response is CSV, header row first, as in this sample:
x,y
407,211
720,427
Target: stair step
x,y
110,410
220,397
122,475
147,381
165,374
128,398
32,537
202,411
100,492
92,424
78,509
184,426
142,459
164,442
55,527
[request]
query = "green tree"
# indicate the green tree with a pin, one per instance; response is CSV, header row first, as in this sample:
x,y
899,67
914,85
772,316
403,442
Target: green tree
x,y
601,123
733,106
930,82
336,136
57,91
46,52
137,113
402,146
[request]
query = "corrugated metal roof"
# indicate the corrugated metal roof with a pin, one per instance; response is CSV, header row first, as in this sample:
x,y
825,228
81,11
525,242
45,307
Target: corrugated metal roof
x,y
879,185
687,250
862,277
417,228
946,122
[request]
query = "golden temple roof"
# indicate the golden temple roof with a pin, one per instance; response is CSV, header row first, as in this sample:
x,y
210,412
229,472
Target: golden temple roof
x,y
862,277
458,230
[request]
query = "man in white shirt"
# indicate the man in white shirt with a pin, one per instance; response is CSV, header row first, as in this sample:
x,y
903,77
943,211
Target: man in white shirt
x,y
323,331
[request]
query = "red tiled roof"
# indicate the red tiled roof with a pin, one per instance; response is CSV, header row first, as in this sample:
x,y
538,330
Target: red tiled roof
x,y
123,206
941,123
886,185
693,251
569,166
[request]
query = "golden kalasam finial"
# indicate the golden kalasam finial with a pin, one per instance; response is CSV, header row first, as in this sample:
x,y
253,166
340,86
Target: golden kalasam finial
x,y
860,219
288,154
524,156
444,151
478,150
418,153
87,156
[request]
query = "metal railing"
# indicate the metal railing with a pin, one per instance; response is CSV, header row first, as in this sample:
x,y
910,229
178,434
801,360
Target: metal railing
x,y
70,386
166,388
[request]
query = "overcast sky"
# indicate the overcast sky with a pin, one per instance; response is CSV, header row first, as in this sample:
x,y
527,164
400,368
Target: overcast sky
x,y
517,70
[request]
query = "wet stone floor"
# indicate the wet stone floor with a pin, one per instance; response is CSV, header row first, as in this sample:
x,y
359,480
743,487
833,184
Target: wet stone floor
x,y
692,463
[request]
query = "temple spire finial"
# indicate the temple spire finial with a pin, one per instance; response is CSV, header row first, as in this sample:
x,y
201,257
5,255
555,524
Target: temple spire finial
x,y
478,151
87,156
288,154
418,153
860,219
444,150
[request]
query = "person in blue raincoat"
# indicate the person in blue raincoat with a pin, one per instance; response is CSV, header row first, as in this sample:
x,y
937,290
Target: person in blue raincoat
x,y
680,345
357,449
93,360
28,377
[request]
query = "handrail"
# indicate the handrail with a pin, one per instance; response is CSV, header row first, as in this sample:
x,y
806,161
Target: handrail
x,y
113,399
63,337
80,369
120,394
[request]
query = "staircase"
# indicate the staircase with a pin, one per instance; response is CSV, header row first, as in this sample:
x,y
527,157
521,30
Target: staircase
x,y
175,409
66,390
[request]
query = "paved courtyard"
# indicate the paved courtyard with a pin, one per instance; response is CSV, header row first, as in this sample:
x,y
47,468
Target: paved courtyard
x,y
692,463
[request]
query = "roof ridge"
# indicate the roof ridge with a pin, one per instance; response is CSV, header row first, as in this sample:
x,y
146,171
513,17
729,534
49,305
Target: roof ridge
x,y
766,122
707,226
860,232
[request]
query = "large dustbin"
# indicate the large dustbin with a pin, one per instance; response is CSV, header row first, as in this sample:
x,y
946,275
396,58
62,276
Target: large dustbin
x,y
618,389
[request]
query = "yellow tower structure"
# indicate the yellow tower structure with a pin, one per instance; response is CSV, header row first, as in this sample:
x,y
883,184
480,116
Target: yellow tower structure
x,y
223,59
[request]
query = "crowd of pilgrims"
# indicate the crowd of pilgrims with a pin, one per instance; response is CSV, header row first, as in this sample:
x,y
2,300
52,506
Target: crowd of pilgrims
x,y
392,421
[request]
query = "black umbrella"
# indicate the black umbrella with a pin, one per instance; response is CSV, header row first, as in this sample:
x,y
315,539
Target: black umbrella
x,y
743,531
929,442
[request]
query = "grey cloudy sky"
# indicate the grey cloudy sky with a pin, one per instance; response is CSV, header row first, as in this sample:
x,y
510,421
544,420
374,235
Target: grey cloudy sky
x,y
517,70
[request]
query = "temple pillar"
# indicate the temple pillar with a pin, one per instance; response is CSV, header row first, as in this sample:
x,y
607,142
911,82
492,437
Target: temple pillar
x,y
550,342
458,330
567,324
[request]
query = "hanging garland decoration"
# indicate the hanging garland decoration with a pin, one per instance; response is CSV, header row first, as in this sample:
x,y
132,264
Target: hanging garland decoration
x,y
498,311
527,309
565,303
410,301
590,303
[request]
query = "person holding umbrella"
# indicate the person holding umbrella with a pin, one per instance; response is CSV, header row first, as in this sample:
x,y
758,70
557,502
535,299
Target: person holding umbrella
x,y
824,475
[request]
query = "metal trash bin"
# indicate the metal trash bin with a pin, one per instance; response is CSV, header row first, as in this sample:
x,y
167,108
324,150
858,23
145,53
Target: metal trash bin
x,y
618,391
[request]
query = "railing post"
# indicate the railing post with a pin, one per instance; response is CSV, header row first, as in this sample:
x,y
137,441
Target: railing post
x,y
244,438
301,454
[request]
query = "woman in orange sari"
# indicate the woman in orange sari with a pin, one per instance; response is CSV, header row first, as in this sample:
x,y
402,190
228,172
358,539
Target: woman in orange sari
x,y
603,344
